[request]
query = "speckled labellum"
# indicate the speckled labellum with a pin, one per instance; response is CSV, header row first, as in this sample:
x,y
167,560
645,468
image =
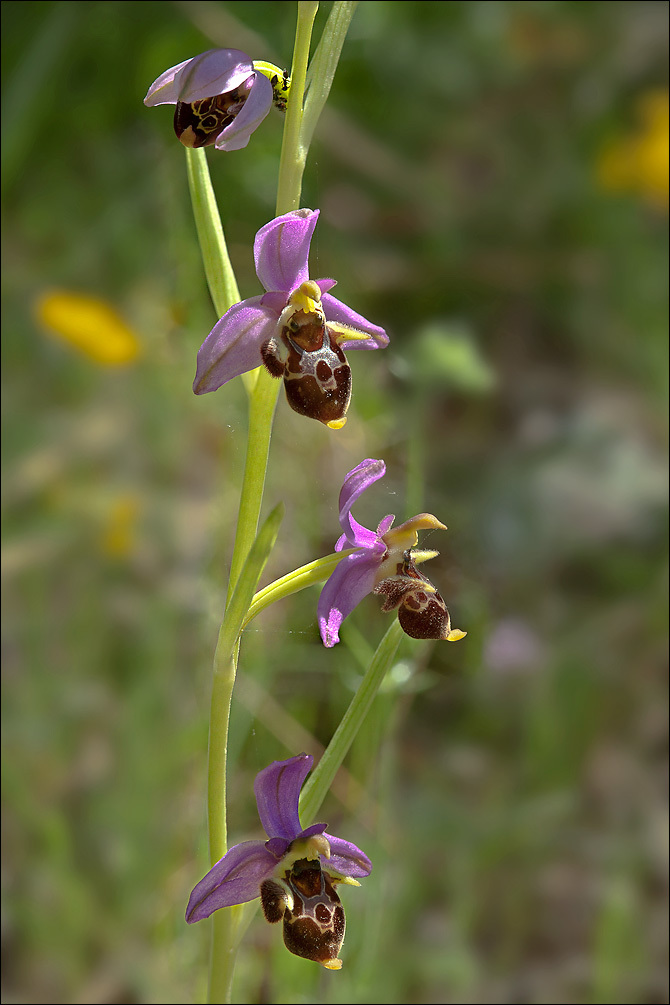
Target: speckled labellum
x,y
422,612
199,123
306,352
312,912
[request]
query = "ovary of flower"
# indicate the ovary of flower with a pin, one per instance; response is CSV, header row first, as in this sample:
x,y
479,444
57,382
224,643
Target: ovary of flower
x,y
89,325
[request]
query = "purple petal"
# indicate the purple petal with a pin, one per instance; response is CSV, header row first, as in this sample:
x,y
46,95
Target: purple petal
x,y
281,250
325,285
355,483
335,310
352,580
213,72
347,859
313,829
274,302
277,846
385,524
235,879
277,789
234,344
358,536
255,108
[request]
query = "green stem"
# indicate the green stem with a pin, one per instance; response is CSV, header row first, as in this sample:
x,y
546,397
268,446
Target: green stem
x,y
323,66
225,940
218,268
293,153
223,680
263,395
293,582
318,784
262,404
262,391
225,668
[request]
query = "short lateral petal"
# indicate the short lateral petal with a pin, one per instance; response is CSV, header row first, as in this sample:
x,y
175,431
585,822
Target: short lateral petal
x,y
385,524
259,102
235,879
347,859
335,310
352,580
281,250
355,483
234,344
277,790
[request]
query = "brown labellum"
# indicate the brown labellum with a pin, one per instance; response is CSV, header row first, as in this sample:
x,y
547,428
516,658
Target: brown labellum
x,y
422,612
274,898
314,925
199,123
317,377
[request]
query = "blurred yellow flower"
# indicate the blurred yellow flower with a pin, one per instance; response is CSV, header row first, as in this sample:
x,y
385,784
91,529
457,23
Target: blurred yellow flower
x,y
639,162
118,535
90,325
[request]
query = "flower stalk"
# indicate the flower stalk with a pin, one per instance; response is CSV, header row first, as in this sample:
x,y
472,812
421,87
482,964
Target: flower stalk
x,y
323,66
293,152
293,582
218,267
314,791
263,392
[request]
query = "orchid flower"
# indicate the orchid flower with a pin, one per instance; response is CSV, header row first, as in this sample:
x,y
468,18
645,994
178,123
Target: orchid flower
x,y
220,98
297,329
384,562
294,872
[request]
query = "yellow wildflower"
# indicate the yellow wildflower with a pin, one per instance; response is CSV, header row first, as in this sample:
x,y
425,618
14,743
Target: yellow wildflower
x,y
118,536
639,162
90,325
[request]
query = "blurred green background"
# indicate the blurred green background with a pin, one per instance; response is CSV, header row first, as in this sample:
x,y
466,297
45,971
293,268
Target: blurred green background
x,y
491,177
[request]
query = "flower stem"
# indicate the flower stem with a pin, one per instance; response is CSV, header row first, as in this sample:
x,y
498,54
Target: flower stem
x,y
314,791
323,66
293,582
262,404
218,268
262,392
293,152
225,667
225,941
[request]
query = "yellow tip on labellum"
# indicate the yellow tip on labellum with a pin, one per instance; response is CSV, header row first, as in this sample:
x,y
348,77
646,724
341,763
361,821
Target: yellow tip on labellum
x,y
337,423
455,635
332,964
344,880
89,325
